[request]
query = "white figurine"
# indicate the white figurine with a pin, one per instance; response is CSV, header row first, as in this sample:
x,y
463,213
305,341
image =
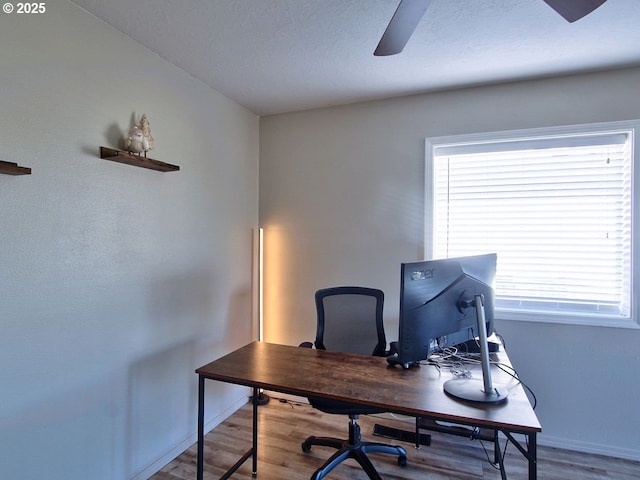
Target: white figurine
x,y
146,131
136,143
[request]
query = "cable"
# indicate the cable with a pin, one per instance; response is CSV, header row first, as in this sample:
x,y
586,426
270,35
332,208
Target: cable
x,y
454,360
486,453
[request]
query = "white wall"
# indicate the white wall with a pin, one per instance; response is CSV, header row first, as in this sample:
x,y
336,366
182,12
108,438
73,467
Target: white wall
x,y
341,201
117,281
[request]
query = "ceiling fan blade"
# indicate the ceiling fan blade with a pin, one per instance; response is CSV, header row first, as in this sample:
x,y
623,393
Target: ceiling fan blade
x,y
573,10
402,24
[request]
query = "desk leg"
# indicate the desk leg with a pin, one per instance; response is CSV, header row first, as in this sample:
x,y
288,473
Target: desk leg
x,y
254,450
200,465
533,456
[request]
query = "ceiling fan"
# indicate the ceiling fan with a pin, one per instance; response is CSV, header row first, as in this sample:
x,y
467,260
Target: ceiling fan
x,y
410,12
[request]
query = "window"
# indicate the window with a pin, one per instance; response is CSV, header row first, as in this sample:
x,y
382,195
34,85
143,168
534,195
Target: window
x,y
556,205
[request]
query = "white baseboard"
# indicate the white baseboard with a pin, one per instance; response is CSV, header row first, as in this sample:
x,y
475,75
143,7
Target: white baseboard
x,y
586,447
188,441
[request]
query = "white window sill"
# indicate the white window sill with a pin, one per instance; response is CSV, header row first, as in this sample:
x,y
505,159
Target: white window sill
x,y
594,321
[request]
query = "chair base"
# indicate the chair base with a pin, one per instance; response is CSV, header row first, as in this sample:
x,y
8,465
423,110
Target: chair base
x,y
353,448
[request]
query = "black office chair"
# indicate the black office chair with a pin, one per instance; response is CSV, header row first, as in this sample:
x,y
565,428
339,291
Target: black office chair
x,y
350,321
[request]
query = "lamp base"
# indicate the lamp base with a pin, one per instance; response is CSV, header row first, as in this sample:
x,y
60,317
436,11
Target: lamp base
x,y
262,398
472,390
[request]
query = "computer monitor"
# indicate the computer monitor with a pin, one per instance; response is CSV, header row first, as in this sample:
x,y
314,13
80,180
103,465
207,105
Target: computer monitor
x,y
442,303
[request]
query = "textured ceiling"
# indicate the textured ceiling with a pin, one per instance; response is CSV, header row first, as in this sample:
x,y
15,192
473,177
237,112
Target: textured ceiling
x,y
275,56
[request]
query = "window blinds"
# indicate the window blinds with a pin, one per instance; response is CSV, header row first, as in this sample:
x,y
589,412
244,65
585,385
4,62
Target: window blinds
x,y
556,210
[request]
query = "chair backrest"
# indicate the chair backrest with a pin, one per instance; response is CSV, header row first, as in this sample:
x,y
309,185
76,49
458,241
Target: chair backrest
x,y
350,320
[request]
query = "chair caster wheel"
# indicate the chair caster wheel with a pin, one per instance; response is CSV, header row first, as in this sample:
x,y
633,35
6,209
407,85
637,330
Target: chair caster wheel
x,y
306,447
402,460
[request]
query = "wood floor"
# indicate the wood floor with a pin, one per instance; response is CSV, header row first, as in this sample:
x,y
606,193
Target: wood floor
x,y
283,426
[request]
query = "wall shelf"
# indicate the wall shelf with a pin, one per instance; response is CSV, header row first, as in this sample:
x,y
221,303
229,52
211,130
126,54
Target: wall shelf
x,y
136,160
9,168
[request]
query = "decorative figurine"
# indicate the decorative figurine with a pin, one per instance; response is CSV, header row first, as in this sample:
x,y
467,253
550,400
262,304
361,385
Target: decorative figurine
x,y
137,143
146,131
140,139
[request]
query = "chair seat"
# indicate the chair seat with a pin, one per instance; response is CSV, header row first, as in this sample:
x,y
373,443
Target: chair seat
x,y
342,408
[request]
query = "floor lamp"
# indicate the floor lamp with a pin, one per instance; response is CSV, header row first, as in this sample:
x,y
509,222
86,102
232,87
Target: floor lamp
x,y
262,398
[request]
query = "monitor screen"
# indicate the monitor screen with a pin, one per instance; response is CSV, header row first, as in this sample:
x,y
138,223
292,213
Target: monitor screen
x,y
432,298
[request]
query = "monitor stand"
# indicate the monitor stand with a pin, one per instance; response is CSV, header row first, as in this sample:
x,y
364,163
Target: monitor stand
x,y
474,389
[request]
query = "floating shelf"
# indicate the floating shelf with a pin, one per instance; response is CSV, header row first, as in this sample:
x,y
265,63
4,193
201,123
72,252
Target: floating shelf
x,y
9,168
136,160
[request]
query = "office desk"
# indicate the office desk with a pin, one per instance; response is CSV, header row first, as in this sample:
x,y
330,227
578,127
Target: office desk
x,y
364,380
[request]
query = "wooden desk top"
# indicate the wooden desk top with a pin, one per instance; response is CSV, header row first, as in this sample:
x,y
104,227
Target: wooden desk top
x,y
369,381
